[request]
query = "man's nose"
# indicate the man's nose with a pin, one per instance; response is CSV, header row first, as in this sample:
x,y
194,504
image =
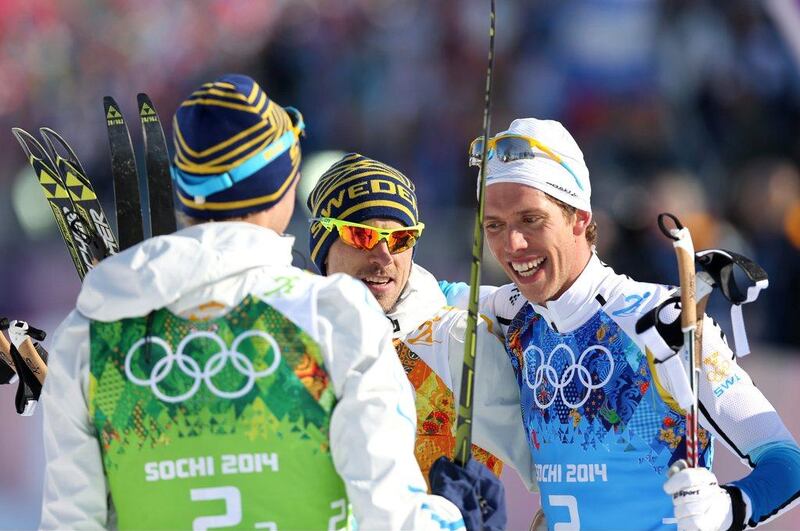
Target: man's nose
x,y
380,254
516,241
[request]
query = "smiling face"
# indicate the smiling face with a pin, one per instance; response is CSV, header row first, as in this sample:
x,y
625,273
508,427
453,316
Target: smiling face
x,y
541,249
384,274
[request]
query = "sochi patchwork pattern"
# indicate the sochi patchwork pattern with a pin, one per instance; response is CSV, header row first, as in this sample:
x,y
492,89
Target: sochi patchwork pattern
x,y
217,417
595,421
436,415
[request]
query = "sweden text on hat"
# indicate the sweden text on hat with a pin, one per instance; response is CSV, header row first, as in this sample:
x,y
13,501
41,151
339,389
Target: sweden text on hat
x,y
357,188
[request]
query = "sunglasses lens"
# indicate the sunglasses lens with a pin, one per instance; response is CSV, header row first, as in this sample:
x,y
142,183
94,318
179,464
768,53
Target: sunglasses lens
x,y
402,240
366,238
476,151
358,237
513,148
476,147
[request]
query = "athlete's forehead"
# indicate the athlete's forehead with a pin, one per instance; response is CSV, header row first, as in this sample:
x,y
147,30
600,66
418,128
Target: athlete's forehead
x,y
508,200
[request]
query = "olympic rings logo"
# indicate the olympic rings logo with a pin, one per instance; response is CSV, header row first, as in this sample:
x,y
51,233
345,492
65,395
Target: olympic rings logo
x,y
213,366
546,371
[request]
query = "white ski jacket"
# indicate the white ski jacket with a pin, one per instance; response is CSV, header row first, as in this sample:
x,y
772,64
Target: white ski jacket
x,y
372,427
731,407
435,332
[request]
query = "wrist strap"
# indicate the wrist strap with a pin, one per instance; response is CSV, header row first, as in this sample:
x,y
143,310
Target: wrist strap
x,y
738,507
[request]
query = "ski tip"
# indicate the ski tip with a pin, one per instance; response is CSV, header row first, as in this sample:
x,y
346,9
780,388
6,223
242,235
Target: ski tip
x,y
20,132
23,137
51,138
48,132
48,141
147,111
113,113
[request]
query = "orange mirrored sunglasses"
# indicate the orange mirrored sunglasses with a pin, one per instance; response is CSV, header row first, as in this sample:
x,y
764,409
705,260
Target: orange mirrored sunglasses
x,y
366,237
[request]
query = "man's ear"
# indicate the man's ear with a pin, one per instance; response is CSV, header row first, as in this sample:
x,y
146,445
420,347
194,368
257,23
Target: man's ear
x,y
582,221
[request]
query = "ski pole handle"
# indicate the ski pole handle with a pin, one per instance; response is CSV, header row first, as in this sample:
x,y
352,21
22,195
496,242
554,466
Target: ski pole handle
x,y
18,331
684,250
5,351
33,360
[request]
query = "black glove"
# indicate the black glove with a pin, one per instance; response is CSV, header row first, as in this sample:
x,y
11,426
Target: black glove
x,y
660,330
474,489
665,320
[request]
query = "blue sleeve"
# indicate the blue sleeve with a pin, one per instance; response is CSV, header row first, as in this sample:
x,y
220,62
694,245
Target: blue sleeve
x,y
774,482
457,293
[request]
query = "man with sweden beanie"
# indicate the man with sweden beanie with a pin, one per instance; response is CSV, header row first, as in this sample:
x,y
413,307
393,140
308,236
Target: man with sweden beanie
x,y
366,224
202,381
600,413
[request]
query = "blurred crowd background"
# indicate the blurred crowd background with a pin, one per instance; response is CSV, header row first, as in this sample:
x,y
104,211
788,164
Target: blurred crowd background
x,y
686,106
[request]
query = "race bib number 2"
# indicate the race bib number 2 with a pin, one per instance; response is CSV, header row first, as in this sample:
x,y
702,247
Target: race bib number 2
x,y
233,510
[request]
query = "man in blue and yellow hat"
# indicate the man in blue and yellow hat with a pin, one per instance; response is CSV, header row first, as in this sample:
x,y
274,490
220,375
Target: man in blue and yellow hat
x,y
236,151
219,385
366,224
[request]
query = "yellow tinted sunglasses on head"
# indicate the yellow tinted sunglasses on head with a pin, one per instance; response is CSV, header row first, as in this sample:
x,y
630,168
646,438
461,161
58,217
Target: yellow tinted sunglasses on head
x,y
508,148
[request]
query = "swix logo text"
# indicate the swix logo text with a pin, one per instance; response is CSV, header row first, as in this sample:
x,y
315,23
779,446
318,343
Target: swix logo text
x,y
727,384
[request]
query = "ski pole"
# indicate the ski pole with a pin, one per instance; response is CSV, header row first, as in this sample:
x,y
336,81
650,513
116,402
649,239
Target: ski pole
x,y
5,351
692,330
464,419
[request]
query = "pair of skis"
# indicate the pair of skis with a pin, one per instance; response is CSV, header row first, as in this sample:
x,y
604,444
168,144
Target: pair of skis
x,y
71,196
130,227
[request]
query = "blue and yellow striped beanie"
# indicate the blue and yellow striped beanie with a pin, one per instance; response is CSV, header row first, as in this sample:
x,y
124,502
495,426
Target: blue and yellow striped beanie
x,y
236,151
356,189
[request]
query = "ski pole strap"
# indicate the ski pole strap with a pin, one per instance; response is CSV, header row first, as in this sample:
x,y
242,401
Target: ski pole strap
x,y
202,186
29,388
34,333
722,266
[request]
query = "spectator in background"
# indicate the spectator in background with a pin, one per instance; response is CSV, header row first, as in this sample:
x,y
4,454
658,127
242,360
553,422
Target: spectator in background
x,y
767,207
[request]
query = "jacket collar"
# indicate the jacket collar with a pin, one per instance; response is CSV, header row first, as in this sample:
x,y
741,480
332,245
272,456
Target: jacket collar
x,y
418,301
160,270
580,301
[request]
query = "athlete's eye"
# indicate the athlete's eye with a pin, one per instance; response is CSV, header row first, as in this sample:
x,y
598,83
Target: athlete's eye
x,y
492,226
532,220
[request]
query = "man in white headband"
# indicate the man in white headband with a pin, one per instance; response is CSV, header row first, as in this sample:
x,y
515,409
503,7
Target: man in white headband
x,y
602,425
